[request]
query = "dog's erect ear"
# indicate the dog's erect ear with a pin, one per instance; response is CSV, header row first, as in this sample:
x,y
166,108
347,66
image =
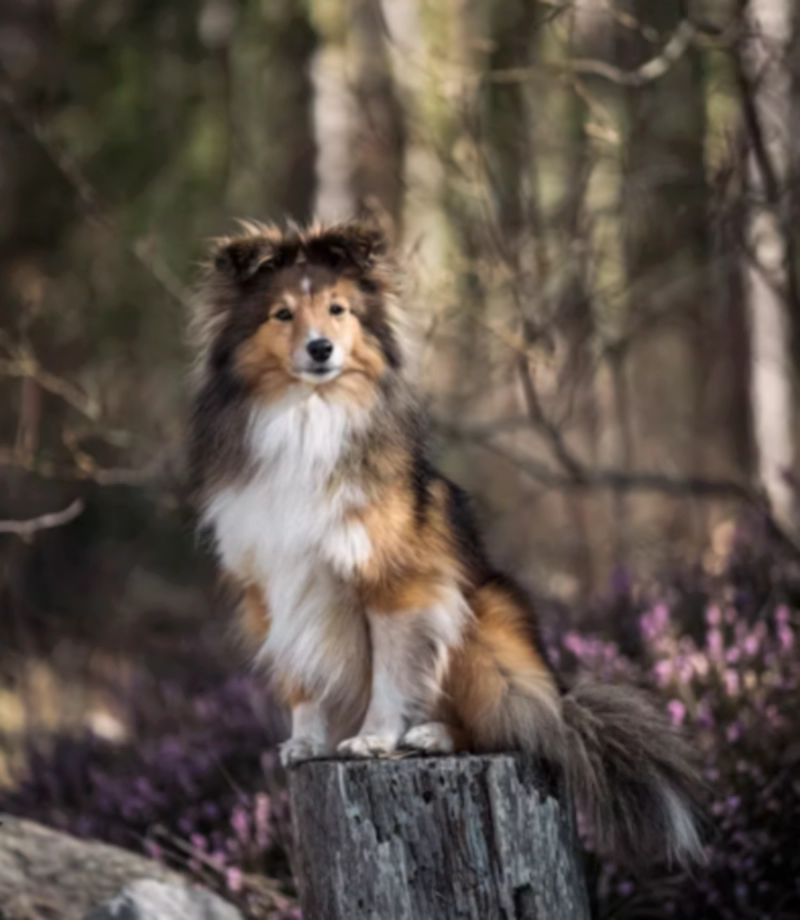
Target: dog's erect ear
x,y
241,257
367,243
358,244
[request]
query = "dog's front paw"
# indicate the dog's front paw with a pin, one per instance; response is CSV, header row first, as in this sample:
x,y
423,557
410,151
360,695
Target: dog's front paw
x,y
369,745
296,750
430,737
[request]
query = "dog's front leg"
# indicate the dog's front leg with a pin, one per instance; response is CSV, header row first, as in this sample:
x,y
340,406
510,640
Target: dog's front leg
x,y
310,733
410,654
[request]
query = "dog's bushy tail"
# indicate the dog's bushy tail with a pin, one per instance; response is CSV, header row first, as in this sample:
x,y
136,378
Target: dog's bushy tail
x,y
628,771
631,776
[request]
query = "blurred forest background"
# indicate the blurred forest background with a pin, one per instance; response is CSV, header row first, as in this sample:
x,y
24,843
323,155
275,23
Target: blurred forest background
x,y
597,204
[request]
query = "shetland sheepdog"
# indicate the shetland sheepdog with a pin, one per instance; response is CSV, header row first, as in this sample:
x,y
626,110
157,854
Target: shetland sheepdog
x,y
365,587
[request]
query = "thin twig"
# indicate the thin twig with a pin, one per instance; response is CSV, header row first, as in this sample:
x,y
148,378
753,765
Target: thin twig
x,y
154,474
26,366
548,428
649,72
26,529
766,168
595,479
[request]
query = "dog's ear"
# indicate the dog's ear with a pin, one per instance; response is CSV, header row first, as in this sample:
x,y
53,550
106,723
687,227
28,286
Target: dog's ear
x,y
239,258
367,242
359,245
232,261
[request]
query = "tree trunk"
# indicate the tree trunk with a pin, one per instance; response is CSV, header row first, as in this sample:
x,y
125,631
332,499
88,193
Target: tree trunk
x,y
794,186
379,148
334,116
271,97
667,252
767,104
507,119
434,838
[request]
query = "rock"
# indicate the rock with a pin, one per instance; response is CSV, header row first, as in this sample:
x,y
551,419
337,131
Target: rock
x,y
149,899
47,875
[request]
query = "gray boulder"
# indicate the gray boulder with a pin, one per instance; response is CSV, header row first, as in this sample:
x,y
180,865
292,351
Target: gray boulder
x,y
149,899
46,874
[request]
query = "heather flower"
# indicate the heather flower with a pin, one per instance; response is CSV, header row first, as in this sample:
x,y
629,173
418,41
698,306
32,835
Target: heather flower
x,y
233,879
654,623
241,824
262,821
677,711
751,645
731,682
785,637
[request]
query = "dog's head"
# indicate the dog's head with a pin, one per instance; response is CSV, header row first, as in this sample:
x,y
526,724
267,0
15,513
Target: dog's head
x,y
309,306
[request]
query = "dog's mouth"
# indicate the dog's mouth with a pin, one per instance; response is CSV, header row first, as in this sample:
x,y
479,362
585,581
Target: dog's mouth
x,y
318,373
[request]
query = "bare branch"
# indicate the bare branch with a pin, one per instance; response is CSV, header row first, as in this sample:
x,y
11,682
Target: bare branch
x,y
26,529
649,72
548,428
155,474
26,366
597,479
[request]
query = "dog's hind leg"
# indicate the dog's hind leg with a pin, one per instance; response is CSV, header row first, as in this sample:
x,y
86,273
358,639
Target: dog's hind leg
x,y
411,651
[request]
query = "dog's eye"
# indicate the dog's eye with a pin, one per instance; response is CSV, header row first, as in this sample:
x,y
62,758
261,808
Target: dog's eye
x,y
284,315
336,309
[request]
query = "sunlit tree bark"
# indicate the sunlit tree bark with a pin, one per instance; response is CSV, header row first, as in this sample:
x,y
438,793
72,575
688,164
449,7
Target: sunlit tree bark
x,y
334,115
767,105
794,186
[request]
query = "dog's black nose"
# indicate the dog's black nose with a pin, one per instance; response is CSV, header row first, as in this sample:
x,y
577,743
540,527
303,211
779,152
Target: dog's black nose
x,y
320,349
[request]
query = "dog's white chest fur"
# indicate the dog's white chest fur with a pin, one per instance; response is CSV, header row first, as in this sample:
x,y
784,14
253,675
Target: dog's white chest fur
x,y
286,530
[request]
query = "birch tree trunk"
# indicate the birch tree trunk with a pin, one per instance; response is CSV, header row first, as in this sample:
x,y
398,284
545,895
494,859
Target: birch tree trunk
x,y
794,183
768,115
334,115
359,122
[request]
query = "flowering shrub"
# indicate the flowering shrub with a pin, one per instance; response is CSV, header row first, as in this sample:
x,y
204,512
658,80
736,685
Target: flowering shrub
x,y
198,786
724,652
197,789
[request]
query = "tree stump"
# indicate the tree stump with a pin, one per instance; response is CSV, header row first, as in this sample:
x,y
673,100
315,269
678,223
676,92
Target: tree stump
x,y
434,838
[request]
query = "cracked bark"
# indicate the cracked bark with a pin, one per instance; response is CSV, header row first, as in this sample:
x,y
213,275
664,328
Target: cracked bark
x,y
434,838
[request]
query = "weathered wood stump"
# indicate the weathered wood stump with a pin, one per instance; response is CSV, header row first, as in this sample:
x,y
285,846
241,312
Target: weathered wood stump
x,y
434,838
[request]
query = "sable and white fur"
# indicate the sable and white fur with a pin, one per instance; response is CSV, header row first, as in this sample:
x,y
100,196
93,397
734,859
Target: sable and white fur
x,y
366,590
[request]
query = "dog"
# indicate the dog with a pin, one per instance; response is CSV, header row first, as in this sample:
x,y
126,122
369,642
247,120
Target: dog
x,y
366,589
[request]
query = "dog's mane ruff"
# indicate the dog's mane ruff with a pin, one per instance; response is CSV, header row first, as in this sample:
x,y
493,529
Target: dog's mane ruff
x,y
357,249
